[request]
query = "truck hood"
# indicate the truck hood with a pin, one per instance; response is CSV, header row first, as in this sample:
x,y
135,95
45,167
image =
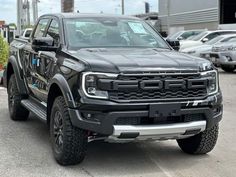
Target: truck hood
x,y
138,60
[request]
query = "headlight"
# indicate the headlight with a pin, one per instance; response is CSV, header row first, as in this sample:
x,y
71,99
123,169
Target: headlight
x,y
191,52
90,84
232,48
213,81
218,49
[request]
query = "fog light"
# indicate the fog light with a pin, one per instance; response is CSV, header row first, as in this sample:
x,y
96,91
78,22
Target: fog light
x,y
229,58
212,87
90,117
216,111
92,90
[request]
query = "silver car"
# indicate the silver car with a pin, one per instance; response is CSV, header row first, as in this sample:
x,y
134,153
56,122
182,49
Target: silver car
x,y
207,47
224,56
183,35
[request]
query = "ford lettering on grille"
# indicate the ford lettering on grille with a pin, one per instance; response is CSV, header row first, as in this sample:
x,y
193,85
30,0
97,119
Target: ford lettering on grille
x,y
155,84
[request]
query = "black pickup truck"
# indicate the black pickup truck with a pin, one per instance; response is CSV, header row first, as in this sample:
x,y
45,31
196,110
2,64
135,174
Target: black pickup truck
x,y
111,78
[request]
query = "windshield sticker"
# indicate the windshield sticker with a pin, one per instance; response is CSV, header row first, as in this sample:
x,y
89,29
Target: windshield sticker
x,y
137,28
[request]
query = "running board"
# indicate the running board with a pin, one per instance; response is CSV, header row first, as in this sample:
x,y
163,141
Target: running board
x,y
36,108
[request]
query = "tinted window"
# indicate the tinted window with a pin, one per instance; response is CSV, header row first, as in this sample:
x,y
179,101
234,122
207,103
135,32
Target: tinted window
x,y
199,36
232,39
53,32
41,28
28,33
175,35
215,40
211,36
190,33
226,32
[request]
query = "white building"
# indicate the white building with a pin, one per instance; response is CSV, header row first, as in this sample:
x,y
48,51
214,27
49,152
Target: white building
x,y
196,14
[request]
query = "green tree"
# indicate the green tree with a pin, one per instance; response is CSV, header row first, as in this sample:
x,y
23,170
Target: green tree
x,y
4,51
12,25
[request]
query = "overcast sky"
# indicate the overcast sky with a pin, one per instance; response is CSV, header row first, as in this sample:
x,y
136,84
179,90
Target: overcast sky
x,y
8,7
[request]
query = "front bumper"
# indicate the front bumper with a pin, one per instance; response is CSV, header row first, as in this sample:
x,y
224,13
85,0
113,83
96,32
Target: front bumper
x,y
222,58
156,132
100,116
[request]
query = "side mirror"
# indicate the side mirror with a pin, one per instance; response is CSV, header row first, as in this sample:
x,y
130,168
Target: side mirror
x,y
180,38
174,44
205,40
44,44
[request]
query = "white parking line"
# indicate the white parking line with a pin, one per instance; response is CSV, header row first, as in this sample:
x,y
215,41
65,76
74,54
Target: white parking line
x,y
157,163
165,171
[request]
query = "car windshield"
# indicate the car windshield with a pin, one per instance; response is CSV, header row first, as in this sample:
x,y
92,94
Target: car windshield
x,y
214,40
111,32
200,36
28,33
188,34
175,35
229,39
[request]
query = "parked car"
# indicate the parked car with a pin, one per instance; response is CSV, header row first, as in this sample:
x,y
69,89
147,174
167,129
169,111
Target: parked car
x,y
113,78
200,51
203,38
224,55
26,33
1,76
183,35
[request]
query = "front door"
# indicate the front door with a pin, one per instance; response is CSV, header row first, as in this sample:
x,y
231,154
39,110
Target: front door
x,y
46,62
31,61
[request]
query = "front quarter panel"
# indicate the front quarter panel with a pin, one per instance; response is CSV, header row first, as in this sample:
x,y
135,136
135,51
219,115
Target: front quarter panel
x,y
62,83
12,64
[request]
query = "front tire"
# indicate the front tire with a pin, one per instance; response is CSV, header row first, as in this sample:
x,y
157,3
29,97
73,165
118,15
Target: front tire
x,y
202,143
228,69
16,110
69,143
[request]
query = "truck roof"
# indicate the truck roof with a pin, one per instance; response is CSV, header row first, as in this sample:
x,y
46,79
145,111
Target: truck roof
x,y
92,15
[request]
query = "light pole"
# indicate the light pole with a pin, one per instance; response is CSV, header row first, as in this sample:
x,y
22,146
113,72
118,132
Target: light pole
x,y
123,7
35,10
168,16
19,16
26,13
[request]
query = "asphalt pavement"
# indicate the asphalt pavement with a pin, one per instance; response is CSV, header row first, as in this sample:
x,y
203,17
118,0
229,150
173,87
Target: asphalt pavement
x,y
25,150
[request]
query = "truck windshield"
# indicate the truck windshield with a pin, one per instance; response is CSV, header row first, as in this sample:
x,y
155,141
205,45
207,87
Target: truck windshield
x,y
111,32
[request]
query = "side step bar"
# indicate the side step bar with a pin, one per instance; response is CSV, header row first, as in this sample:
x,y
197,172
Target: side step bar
x,y
36,108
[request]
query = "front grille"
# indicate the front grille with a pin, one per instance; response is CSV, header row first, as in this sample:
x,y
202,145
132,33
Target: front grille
x,y
159,121
212,55
173,93
216,49
144,95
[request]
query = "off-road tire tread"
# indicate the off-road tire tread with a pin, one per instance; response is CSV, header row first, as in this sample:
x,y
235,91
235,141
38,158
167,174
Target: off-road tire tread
x,y
228,69
19,113
75,140
201,143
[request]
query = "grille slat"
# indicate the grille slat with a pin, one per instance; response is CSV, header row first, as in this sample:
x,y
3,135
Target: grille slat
x,y
175,93
157,121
